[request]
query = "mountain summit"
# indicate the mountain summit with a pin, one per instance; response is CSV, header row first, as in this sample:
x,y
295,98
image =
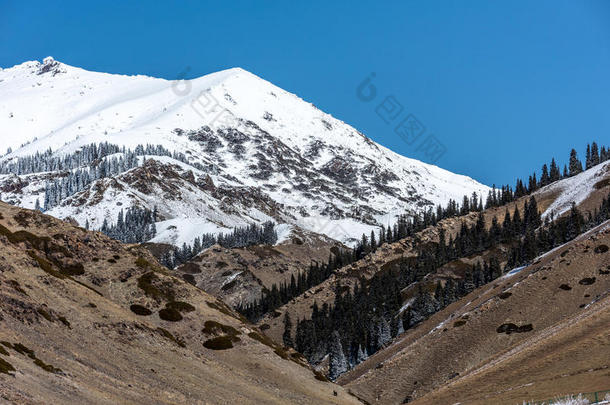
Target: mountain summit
x,y
223,150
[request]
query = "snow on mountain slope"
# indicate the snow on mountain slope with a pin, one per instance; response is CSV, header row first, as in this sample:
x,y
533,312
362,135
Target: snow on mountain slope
x,y
59,104
575,189
245,140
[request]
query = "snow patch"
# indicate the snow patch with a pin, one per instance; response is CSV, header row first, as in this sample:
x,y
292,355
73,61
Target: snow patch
x,y
574,189
178,231
513,272
283,232
347,230
231,278
406,305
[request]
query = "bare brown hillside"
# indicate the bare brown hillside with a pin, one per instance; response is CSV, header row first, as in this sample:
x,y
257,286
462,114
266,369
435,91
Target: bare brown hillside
x,y
84,319
533,334
239,275
565,360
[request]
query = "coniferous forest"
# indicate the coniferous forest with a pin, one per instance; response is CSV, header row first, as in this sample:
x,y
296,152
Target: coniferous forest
x,y
316,273
364,319
136,225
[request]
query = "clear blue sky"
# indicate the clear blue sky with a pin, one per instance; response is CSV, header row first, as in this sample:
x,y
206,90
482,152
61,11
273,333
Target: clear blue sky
x,y
504,85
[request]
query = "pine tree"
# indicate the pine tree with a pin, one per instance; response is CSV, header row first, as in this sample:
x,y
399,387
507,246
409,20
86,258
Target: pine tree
x,y
529,245
495,269
575,223
361,355
469,284
517,224
365,245
373,242
449,292
554,173
545,177
575,164
384,333
338,363
287,336
465,206
595,157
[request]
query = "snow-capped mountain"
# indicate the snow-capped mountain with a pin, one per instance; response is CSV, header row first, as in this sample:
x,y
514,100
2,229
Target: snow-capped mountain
x,y
231,149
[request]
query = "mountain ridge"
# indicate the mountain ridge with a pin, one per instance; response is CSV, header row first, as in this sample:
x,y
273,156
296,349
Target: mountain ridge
x,y
239,130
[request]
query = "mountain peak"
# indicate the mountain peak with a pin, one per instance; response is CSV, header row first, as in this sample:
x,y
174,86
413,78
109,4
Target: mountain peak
x,y
50,65
221,76
270,154
49,60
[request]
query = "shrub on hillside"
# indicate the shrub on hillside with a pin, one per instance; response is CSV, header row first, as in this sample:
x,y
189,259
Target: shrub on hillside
x,y
169,314
140,310
218,343
180,306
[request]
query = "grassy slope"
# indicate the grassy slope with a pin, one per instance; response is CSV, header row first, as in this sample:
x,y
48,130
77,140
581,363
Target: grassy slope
x,y
82,325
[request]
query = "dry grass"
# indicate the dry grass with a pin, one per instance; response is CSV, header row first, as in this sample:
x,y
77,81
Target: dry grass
x,y
113,355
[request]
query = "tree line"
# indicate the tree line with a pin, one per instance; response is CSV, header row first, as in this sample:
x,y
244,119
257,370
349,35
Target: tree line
x,y
137,225
278,296
549,174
